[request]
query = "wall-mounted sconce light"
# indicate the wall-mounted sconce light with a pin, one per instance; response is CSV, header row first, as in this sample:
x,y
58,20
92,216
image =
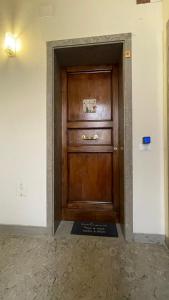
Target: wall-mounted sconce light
x,y
11,45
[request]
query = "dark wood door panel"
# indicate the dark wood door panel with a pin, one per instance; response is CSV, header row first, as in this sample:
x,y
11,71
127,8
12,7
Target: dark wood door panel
x,y
86,177
89,86
89,162
89,137
90,149
90,124
91,214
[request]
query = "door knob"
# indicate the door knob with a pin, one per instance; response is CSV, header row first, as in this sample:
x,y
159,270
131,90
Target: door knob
x,y
115,148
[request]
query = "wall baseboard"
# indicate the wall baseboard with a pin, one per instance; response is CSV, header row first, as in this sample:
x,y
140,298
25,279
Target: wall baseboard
x,y
15,230
149,238
23,230
167,241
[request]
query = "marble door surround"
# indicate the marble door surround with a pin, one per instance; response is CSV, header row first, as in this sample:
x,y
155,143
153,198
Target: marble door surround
x,y
125,40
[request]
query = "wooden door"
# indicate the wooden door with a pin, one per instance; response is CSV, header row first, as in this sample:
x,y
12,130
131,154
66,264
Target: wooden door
x,y
90,174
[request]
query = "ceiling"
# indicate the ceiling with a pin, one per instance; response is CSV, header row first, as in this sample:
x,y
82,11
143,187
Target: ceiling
x,y
89,55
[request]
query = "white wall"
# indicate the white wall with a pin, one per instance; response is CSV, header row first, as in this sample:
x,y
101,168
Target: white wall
x,y
23,101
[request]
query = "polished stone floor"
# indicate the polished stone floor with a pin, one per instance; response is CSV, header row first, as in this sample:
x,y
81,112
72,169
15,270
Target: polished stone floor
x,y
81,268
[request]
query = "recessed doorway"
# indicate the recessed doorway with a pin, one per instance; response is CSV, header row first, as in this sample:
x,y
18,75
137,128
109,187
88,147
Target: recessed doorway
x,y
90,131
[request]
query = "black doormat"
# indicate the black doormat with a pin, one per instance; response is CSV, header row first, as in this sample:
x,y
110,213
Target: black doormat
x,y
95,229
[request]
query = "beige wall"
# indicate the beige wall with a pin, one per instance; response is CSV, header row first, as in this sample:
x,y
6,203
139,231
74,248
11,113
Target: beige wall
x,y
23,101
165,20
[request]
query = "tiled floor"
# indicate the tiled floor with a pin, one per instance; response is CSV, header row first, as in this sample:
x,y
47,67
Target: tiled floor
x,y
81,268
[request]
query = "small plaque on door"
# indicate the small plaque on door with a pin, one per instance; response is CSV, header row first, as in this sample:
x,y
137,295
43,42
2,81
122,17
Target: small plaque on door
x,y
89,105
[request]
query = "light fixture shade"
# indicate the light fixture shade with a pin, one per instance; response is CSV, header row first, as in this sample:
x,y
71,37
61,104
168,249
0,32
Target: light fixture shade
x,y
10,44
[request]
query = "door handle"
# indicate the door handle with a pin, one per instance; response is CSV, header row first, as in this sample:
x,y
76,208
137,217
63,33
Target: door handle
x,y
94,137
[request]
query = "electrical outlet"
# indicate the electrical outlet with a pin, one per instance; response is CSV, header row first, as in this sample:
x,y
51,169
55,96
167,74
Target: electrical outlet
x,y
21,190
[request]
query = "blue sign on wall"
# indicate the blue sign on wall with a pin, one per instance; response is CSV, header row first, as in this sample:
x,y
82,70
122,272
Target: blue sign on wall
x,y
146,140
